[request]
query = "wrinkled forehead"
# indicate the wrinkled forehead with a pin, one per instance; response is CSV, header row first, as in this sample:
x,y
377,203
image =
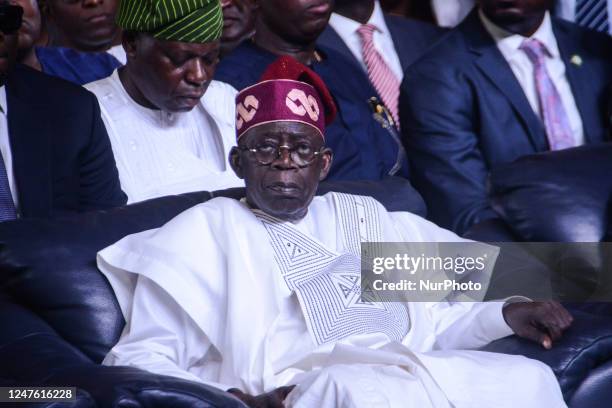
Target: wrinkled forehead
x,y
282,132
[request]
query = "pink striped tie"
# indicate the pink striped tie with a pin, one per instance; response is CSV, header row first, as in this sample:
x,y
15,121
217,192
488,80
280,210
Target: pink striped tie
x,y
384,80
556,121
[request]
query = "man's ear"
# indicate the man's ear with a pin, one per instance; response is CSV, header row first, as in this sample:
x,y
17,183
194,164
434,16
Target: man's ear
x,y
327,158
235,161
128,40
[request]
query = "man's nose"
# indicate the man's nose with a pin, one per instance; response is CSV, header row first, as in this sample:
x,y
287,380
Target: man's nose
x,y
197,73
284,161
92,3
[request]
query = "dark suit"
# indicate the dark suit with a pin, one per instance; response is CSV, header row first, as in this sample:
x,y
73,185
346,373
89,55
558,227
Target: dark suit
x,y
410,37
463,112
62,158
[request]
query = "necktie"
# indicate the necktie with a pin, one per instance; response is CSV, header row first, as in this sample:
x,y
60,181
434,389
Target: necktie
x,y
384,80
7,207
556,121
593,14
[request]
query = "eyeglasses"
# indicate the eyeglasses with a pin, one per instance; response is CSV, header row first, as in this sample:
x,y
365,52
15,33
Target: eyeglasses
x,y
10,18
302,154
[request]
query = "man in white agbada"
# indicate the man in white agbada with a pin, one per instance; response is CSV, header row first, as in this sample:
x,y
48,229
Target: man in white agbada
x,y
260,297
171,127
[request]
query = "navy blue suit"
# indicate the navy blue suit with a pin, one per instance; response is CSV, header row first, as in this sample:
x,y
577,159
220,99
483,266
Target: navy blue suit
x,y
363,148
62,157
463,112
411,39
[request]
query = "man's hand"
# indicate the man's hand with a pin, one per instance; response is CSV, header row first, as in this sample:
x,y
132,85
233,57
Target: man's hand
x,y
272,399
542,322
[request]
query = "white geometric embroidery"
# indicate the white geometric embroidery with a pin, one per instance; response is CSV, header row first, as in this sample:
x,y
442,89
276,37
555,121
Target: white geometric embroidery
x,y
308,104
328,285
245,111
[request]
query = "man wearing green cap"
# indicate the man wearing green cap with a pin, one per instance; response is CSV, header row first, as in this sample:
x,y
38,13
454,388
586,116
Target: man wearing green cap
x,y
171,126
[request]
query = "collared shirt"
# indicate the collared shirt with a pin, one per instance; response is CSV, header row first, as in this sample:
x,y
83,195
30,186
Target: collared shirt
x,y
383,42
449,13
509,45
5,145
566,9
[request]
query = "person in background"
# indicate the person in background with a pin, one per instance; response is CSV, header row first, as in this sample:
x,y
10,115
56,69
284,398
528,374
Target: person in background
x,y
171,126
507,82
262,297
84,25
238,23
384,46
55,156
593,14
364,135
66,63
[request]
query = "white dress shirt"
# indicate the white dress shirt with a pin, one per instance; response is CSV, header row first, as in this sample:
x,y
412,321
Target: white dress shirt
x,y
449,13
5,146
159,153
509,45
566,9
383,42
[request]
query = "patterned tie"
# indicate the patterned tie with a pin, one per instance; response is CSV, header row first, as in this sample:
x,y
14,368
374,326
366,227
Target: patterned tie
x,y
593,14
384,80
7,207
552,111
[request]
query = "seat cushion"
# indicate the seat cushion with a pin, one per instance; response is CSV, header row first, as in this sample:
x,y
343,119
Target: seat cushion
x,y
561,196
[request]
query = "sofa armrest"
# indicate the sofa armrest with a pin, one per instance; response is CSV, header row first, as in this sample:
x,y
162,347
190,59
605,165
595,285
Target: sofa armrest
x,y
129,387
586,345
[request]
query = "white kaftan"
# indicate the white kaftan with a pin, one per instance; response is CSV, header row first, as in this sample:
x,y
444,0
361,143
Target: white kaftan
x,y
160,153
223,295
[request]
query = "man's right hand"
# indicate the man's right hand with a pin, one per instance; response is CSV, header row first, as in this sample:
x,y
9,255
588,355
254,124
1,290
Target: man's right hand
x,y
272,399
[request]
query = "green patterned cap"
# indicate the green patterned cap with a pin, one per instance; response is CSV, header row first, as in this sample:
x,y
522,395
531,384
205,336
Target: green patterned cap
x,y
195,21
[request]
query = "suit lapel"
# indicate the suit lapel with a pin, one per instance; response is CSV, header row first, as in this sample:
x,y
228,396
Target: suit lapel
x,y
333,41
581,82
28,136
493,65
403,53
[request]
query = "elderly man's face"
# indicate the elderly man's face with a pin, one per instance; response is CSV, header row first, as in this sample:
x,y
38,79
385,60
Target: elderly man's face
x,y
87,24
172,76
8,45
301,21
282,188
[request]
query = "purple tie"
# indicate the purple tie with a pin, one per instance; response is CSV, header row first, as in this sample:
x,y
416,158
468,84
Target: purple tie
x,y
553,113
7,207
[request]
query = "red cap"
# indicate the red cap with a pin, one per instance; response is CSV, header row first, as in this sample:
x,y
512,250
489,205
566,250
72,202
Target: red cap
x,y
287,91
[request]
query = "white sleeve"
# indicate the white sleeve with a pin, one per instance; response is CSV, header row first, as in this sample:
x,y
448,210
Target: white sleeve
x,y
457,325
468,325
160,337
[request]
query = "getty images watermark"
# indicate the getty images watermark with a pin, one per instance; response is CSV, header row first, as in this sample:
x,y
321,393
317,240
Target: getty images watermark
x,y
426,271
475,271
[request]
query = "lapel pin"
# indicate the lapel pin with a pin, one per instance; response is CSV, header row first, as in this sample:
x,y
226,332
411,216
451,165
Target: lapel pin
x,y
576,60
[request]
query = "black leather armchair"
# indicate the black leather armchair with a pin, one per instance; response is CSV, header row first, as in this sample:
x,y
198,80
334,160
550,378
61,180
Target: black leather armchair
x,y
60,317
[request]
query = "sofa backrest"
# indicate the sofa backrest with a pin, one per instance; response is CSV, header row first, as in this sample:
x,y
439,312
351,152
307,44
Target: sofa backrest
x,y
49,266
561,196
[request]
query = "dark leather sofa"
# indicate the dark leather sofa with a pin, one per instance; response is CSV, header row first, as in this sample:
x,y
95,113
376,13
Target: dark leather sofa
x,y
59,316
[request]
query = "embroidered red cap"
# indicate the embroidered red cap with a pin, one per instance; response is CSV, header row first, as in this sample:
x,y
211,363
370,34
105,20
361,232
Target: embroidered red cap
x,y
287,91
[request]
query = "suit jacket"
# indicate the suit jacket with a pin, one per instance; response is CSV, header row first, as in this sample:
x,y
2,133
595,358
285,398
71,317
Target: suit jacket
x,y
463,112
410,37
363,148
62,157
